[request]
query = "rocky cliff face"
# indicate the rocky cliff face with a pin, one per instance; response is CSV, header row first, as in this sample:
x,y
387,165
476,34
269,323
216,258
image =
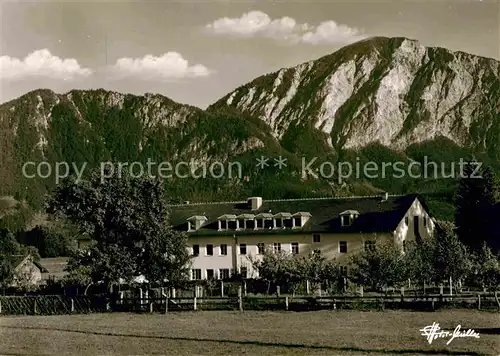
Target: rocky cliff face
x,y
395,92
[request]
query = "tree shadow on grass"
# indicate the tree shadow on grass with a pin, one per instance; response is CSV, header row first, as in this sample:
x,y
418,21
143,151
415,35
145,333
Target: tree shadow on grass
x,y
490,331
255,343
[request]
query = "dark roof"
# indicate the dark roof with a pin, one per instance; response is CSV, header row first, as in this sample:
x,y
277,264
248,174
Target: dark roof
x,y
376,216
55,266
16,260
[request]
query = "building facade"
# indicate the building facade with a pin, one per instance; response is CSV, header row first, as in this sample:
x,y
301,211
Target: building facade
x,y
27,271
226,237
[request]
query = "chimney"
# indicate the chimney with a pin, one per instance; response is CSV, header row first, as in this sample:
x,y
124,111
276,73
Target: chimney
x,y
385,196
255,203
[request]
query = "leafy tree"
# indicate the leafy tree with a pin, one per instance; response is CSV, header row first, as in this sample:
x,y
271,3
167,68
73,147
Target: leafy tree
x,y
474,201
380,267
6,271
436,260
165,259
318,269
420,262
8,243
452,260
286,269
9,246
49,241
127,220
487,269
276,267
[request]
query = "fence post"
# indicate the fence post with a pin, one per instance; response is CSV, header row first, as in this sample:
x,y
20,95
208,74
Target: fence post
x,y
173,292
334,304
166,305
286,303
221,288
194,302
245,288
34,306
361,291
72,305
441,293
278,291
0,307
432,303
308,288
479,301
240,299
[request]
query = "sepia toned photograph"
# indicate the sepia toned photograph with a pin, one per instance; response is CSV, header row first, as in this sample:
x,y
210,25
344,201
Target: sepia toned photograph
x,y
250,177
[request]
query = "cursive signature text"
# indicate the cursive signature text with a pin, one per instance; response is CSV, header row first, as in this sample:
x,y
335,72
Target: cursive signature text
x,y
434,331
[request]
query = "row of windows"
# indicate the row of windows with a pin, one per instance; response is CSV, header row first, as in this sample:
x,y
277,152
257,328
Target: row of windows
x,y
209,248
259,224
224,273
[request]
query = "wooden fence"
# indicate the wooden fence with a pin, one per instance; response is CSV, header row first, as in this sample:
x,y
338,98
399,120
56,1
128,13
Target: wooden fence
x,y
51,305
484,301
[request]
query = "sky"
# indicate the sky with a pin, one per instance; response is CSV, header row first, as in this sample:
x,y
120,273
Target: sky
x,y
195,52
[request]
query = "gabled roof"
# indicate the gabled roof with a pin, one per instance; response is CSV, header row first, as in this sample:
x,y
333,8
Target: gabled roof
x,y
246,216
375,216
302,213
227,217
17,260
350,212
197,217
283,215
264,216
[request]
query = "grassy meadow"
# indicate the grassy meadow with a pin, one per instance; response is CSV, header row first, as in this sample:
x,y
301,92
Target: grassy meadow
x,y
247,333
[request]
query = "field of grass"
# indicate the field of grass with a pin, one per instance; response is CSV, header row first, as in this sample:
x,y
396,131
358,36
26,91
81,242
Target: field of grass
x,y
247,333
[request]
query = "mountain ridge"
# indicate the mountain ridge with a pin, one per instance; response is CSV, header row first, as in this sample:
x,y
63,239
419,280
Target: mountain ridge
x,y
396,67
363,102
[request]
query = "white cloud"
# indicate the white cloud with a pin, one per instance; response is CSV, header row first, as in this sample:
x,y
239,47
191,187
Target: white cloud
x,y
260,24
331,32
168,66
41,63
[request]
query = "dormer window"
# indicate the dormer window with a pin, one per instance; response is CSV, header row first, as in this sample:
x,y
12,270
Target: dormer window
x,y
196,222
347,217
264,220
227,221
279,219
245,221
300,218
